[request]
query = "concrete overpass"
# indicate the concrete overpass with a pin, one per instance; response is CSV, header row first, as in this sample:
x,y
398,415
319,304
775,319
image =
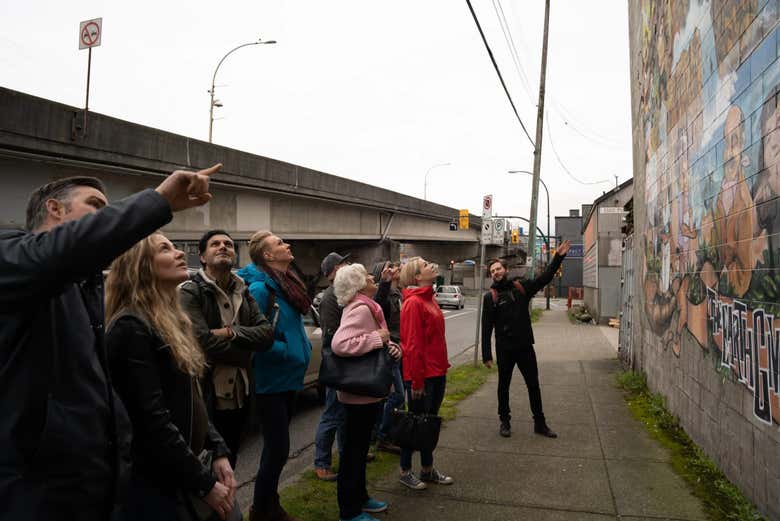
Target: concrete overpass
x,y
317,212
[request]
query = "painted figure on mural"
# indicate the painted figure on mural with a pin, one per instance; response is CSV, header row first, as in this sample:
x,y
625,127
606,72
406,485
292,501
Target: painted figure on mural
x,y
734,213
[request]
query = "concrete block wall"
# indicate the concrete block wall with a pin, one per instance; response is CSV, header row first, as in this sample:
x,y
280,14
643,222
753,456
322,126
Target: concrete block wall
x,y
705,78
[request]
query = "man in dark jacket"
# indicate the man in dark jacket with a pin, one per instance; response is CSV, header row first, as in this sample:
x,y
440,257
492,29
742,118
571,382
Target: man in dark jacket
x,y
332,419
65,436
506,308
229,327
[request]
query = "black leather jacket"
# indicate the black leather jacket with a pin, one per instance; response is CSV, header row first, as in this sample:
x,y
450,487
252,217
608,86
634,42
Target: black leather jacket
x,y
62,429
509,313
159,399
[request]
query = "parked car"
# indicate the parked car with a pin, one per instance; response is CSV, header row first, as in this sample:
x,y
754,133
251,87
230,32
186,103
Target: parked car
x,y
311,323
450,296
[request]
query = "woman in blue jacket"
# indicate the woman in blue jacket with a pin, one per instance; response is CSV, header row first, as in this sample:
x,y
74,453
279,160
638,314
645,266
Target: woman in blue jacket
x,y
279,371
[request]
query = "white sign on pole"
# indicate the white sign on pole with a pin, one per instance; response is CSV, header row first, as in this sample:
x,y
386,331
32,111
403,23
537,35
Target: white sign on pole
x,y
90,33
487,231
499,227
487,207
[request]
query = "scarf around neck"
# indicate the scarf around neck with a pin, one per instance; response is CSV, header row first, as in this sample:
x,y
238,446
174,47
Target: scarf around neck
x,y
293,289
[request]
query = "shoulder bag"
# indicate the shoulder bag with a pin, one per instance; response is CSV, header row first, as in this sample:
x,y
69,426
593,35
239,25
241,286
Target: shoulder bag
x,y
370,374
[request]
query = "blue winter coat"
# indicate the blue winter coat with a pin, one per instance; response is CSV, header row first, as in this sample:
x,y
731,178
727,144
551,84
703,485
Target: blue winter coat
x,y
282,367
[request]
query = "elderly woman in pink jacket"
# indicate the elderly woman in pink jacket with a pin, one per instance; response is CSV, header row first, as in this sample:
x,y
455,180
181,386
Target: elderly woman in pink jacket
x,y
363,329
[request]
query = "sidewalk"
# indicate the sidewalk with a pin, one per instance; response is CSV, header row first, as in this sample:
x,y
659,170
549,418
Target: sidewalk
x,y
603,466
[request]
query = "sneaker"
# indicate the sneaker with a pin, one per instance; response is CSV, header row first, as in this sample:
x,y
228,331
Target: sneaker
x,y
374,506
386,446
326,475
371,456
434,476
411,481
506,429
544,430
361,517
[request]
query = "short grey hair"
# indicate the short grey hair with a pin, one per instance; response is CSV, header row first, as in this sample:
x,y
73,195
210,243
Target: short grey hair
x,y
348,282
60,190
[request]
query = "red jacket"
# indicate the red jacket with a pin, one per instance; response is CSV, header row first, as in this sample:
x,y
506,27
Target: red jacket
x,y
422,337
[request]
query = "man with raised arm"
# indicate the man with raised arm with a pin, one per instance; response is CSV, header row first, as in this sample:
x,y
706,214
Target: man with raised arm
x,y
64,433
506,308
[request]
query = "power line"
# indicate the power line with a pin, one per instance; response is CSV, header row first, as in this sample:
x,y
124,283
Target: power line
x,y
560,162
510,42
498,72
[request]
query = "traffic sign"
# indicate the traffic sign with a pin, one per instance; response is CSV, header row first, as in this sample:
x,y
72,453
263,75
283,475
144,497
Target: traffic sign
x,y
487,207
487,232
90,33
499,227
463,220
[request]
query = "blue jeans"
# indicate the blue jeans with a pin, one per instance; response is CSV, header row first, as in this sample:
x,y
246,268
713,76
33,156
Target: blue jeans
x,y
395,400
428,404
331,425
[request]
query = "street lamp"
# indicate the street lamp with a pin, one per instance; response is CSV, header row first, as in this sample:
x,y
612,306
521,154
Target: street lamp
x,y
425,189
217,103
548,220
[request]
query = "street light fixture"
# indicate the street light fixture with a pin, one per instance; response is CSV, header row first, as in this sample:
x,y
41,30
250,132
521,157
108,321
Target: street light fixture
x,y
425,188
548,220
217,103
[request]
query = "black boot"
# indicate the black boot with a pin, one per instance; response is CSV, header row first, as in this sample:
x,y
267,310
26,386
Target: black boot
x,y
506,429
543,430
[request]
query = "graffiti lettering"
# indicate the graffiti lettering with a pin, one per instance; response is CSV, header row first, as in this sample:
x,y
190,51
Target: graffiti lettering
x,y
750,353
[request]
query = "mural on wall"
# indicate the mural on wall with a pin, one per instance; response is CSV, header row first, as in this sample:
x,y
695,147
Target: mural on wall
x,y
709,80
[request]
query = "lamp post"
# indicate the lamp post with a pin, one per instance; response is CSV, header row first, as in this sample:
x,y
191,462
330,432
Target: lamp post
x,y
548,221
425,188
216,103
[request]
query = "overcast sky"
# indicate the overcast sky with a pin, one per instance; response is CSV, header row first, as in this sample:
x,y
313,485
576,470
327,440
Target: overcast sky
x,y
373,91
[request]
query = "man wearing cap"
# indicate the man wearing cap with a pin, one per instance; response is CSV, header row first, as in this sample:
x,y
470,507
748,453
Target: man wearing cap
x,y
332,419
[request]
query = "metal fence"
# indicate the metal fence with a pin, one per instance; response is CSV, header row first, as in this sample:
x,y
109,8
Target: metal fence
x,y
627,296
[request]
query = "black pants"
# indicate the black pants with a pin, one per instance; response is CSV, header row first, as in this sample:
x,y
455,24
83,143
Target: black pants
x,y
230,425
275,412
525,360
352,493
428,404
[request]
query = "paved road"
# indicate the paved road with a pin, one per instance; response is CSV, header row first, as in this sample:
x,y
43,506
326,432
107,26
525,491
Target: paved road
x,y
460,336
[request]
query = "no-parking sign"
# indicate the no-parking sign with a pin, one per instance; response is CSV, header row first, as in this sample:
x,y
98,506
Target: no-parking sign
x,y
90,33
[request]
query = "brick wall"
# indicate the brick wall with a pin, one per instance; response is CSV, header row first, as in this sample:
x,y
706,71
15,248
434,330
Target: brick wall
x,y
705,78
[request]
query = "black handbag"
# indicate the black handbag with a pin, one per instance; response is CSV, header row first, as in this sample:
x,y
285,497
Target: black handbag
x,y
370,374
414,431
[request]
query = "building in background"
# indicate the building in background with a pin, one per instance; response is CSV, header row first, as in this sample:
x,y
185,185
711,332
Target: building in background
x,y
603,252
705,78
569,228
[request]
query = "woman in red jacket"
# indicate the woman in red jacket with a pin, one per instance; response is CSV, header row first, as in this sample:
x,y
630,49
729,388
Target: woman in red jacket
x,y
425,360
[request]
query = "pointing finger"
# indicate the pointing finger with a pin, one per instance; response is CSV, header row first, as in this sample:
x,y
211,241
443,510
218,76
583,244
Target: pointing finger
x,y
210,170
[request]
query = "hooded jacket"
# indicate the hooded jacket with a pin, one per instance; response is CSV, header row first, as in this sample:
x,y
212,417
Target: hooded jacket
x,y
284,365
509,313
422,336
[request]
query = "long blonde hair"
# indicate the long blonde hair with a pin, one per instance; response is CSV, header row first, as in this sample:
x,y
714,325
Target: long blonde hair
x,y
132,284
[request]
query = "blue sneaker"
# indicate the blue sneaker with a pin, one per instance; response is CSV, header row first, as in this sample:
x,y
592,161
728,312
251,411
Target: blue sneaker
x,y
374,506
362,517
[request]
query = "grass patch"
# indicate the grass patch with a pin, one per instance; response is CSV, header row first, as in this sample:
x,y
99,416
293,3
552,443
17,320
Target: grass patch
x,y
721,499
536,314
310,498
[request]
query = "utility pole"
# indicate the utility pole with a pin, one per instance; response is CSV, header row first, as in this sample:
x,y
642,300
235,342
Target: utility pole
x,y
538,143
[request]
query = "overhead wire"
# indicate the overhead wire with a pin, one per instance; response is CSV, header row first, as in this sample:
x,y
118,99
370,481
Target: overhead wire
x,y
565,169
498,72
510,42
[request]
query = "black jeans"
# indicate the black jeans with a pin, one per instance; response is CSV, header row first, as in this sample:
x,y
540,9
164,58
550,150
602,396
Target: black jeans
x,y
428,404
275,412
525,360
352,493
230,425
